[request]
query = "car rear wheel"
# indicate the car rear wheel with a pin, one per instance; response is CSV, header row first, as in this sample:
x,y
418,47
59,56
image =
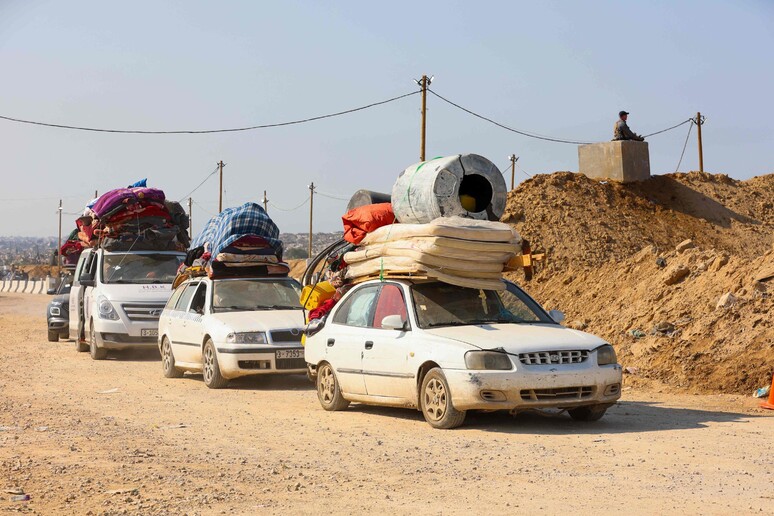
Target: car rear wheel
x,y
328,390
589,413
53,336
95,352
435,401
210,368
168,360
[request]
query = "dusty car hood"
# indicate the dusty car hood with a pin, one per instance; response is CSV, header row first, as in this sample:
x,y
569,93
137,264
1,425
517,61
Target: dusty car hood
x,y
520,338
259,320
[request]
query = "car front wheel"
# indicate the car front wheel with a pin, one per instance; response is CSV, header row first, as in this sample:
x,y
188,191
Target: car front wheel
x,y
168,360
210,368
588,413
53,336
328,390
435,401
95,352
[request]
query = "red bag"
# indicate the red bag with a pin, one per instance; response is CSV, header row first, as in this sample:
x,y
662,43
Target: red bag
x,y
358,222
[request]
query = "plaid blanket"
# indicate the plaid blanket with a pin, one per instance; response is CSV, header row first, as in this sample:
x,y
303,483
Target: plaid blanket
x,y
234,223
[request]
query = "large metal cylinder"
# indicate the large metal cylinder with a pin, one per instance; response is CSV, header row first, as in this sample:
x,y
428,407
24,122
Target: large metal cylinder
x,y
466,185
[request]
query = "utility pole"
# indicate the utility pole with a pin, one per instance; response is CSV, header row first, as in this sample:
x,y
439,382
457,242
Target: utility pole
x,y
220,191
423,83
96,194
311,208
59,247
513,159
190,217
265,202
699,121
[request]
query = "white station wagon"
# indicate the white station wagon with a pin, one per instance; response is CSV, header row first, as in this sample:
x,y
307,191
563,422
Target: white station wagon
x,y
226,328
445,349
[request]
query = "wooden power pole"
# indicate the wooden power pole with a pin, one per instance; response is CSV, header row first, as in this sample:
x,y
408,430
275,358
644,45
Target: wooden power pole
x,y
513,159
701,152
423,83
190,217
311,209
265,202
220,191
59,247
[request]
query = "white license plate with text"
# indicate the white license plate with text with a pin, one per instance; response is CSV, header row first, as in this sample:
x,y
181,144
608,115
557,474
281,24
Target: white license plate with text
x,y
149,332
290,353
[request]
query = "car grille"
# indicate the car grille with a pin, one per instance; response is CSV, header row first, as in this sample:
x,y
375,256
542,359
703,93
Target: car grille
x,y
564,393
554,357
143,312
287,335
290,363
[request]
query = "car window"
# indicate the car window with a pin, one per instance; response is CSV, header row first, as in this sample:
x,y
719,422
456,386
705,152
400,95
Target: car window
x,y
174,297
390,302
197,302
255,294
185,298
358,308
522,307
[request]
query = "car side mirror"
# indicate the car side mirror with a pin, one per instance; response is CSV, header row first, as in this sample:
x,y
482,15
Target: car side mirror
x,y
394,322
314,326
51,291
556,315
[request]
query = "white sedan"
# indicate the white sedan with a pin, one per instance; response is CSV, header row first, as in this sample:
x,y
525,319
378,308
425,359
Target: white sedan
x,y
226,328
444,350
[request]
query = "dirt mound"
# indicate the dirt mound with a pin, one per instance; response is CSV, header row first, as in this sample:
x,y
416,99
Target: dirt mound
x,y
618,267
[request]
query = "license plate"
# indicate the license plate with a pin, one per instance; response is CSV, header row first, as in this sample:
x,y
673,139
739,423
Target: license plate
x,y
149,333
290,353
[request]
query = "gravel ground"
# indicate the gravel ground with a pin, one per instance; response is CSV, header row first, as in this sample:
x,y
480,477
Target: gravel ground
x,y
116,437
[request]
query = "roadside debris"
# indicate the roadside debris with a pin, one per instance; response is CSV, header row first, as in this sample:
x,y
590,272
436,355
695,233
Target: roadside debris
x,y
726,300
762,392
636,333
109,391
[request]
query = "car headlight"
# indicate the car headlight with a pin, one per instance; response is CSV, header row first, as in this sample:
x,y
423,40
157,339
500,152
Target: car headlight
x,y
606,355
248,337
488,360
106,310
54,310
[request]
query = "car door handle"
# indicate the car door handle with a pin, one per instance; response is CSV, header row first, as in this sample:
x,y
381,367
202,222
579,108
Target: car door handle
x,y
331,342
369,344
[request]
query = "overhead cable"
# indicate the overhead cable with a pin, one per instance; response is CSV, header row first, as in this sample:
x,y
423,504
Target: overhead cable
x,y
329,196
684,146
200,184
291,209
209,131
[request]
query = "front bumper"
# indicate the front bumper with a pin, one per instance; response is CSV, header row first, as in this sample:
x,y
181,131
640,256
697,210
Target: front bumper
x,y
243,359
535,387
117,335
59,324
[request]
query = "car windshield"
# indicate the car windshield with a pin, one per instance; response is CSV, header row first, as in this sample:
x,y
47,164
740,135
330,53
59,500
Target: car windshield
x,y
440,304
140,268
255,294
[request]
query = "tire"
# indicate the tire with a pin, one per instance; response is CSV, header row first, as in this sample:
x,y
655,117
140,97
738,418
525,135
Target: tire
x,y
210,368
81,346
95,352
588,413
53,336
435,401
328,389
168,360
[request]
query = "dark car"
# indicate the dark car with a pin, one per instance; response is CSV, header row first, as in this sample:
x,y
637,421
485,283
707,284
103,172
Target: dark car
x,y
57,313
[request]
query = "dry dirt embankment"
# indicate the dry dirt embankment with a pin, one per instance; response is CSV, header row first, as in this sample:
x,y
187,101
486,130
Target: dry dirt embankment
x,y
604,241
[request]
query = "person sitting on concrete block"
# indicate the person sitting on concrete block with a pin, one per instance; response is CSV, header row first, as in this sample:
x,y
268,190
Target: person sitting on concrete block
x,y
621,131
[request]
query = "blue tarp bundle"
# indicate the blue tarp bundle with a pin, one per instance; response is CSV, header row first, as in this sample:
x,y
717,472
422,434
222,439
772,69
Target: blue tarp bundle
x,y
232,224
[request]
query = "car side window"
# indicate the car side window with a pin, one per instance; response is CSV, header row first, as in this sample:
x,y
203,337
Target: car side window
x,y
391,302
197,302
174,298
185,298
358,309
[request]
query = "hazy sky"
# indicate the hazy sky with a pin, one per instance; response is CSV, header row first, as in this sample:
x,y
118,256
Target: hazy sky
x,y
562,69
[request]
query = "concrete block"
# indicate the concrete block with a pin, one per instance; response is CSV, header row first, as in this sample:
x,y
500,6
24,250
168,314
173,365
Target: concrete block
x,y
625,161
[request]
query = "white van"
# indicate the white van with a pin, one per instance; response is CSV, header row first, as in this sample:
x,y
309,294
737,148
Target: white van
x,y
117,298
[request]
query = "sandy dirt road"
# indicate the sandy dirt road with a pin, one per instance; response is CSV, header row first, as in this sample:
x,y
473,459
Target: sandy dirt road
x,y
115,437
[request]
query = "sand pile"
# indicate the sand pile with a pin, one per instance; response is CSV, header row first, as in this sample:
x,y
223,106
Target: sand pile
x,y
619,267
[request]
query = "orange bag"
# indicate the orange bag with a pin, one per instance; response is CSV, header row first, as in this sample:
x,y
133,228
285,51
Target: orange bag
x,y
358,222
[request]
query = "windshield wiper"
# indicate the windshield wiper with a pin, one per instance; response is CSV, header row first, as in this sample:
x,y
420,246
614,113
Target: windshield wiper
x,y
446,323
283,307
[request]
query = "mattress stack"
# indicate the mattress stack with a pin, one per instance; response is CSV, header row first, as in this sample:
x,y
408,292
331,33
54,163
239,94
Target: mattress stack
x,y
240,241
136,218
461,251
71,250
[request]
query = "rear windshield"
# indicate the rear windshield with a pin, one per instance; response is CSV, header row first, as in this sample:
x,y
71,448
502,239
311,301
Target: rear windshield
x,y
140,268
255,294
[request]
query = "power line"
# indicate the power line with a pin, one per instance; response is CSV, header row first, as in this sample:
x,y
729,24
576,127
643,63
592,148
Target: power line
x,y
503,126
205,210
291,209
200,184
329,196
210,131
684,146
669,128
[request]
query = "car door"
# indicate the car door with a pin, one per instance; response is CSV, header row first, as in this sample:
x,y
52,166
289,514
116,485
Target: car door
x,y
194,329
75,293
387,365
344,338
182,343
